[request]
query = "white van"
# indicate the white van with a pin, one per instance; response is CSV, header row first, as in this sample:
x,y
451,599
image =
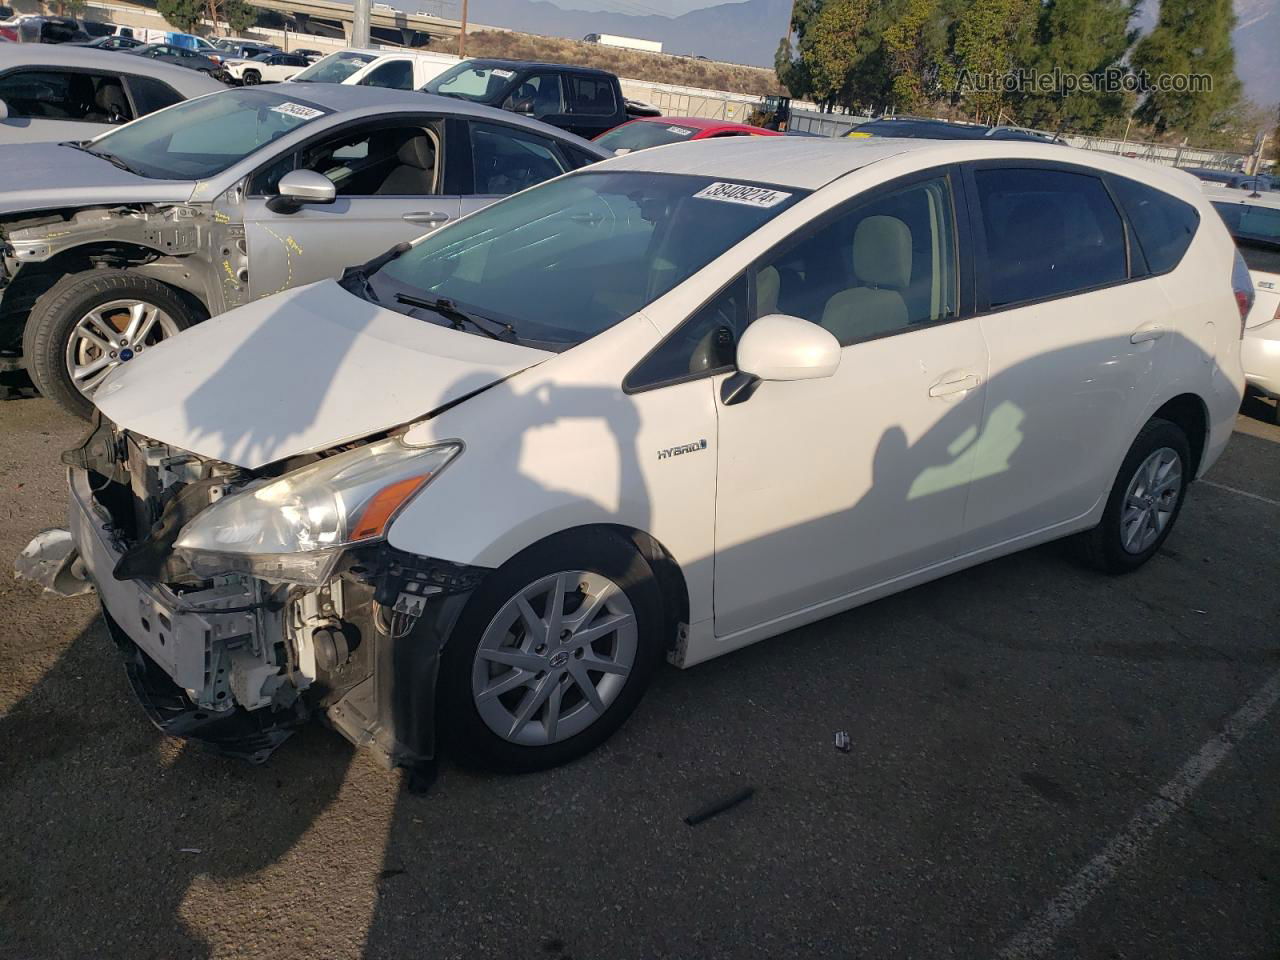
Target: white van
x,y
399,69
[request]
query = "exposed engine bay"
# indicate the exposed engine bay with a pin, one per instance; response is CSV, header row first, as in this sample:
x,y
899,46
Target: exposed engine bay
x,y
235,659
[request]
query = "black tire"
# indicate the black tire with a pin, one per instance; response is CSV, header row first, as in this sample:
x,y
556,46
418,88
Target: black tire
x,y
252,78
1103,546
57,311
469,739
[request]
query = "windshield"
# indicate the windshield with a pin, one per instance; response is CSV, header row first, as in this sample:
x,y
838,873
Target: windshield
x,y
639,134
202,137
566,260
334,68
470,82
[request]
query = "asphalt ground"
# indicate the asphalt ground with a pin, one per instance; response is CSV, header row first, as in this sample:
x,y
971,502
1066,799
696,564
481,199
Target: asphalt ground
x,y
1044,762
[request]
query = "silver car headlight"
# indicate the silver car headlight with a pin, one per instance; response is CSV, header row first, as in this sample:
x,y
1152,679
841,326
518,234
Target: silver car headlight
x,y
294,528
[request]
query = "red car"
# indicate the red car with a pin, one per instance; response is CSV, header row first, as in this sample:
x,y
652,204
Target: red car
x,y
655,131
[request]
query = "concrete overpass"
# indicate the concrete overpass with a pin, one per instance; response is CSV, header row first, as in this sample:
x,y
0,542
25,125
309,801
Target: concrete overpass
x,y
387,24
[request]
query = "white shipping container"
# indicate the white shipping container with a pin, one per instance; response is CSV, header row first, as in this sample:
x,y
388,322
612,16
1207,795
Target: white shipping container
x,y
631,43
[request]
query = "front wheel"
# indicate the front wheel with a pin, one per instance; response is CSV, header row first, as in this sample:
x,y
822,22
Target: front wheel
x,y
1145,499
252,78
551,654
89,323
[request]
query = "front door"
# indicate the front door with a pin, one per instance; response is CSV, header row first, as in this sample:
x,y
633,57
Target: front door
x,y
388,178
828,487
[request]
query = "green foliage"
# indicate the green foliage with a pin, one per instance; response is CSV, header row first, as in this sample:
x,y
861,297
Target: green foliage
x,y
989,40
182,14
914,44
1190,37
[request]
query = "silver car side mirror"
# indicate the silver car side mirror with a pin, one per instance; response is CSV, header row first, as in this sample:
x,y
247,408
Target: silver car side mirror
x,y
301,187
4,111
781,347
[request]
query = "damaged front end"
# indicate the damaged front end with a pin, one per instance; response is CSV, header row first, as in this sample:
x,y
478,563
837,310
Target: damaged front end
x,y
249,601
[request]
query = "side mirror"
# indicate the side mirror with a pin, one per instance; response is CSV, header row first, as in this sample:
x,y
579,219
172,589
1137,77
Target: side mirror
x,y
302,187
4,111
779,347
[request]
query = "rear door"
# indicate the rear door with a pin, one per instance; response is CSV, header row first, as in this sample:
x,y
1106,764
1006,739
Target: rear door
x,y
390,176
1074,334
505,160
593,105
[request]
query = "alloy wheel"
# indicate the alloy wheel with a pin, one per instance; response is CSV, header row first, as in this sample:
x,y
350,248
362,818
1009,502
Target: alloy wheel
x,y
1150,500
554,658
111,334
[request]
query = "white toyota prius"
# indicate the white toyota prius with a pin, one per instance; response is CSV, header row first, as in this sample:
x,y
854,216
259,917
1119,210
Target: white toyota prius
x,y
666,406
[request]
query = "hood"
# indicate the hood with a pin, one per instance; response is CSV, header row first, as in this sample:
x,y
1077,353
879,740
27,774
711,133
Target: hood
x,y
38,176
298,372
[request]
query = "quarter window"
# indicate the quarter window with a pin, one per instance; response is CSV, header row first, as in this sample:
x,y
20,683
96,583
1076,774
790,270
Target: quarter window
x,y
1048,233
57,95
704,343
592,96
1164,224
151,95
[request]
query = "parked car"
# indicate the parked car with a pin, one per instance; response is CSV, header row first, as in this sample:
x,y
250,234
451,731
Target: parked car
x,y
220,201
311,55
182,57
64,93
232,45
666,406
50,30
266,68
582,100
1254,222
642,133
112,42
944,130
396,69
244,50
1232,179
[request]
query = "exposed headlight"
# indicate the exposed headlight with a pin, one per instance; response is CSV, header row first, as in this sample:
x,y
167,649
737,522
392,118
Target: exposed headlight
x,y
294,528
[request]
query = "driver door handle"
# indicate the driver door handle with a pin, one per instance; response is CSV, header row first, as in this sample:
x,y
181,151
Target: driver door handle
x,y
426,216
947,388
1146,333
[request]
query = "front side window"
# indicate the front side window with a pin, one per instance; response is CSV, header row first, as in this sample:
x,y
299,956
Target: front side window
x,y
65,95
592,96
507,160
202,137
385,161
334,68
885,266
570,258
1164,224
397,75
1048,233
539,95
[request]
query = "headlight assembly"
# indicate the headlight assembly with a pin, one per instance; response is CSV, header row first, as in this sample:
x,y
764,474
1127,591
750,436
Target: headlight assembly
x,y
294,528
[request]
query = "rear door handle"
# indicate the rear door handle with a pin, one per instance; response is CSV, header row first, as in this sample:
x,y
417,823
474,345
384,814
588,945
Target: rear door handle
x,y
1147,333
426,216
947,388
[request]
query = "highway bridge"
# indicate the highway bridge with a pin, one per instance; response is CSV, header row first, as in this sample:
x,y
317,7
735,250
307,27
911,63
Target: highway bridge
x,y
388,25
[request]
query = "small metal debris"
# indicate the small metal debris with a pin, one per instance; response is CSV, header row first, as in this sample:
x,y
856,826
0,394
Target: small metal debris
x,y
843,743
719,806
190,850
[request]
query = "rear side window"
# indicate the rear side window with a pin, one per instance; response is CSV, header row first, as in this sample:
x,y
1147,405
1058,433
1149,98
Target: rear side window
x,y
508,160
591,96
1049,233
1164,224
150,95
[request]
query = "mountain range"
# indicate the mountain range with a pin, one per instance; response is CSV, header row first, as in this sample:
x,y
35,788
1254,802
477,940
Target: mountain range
x,y
748,32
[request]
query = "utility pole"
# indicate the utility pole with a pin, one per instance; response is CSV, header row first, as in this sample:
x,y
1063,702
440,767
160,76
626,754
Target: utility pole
x,y
360,23
462,32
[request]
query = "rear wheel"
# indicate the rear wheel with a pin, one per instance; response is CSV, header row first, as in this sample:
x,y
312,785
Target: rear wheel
x,y
551,654
1145,499
89,323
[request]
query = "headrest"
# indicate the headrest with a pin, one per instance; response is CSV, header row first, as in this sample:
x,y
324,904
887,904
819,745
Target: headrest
x,y
418,152
110,97
882,252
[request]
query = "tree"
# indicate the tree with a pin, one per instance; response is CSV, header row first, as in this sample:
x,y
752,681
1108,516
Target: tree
x,y
914,42
1192,38
989,39
183,14
187,14
789,62
834,52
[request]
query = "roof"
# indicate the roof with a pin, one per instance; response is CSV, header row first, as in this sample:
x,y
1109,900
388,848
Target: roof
x,y
534,65
695,123
397,52
808,163
190,83
1219,194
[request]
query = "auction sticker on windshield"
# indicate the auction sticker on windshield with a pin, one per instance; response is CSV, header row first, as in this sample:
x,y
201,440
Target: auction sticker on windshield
x,y
291,109
682,131
742,193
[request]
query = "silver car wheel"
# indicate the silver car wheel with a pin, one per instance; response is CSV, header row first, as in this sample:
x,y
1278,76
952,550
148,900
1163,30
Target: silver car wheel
x,y
1150,500
554,658
111,334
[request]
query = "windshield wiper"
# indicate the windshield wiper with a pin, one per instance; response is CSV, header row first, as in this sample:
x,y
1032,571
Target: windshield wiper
x,y
449,310
112,159
360,273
